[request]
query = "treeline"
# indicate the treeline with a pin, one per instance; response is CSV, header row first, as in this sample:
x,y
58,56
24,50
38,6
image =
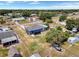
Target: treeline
x,y
45,15
28,12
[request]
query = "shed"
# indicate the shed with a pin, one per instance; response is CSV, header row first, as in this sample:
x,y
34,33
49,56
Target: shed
x,y
8,38
73,40
35,29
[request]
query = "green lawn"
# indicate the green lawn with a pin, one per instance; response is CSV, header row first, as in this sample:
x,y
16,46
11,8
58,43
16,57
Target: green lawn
x,y
23,21
3,52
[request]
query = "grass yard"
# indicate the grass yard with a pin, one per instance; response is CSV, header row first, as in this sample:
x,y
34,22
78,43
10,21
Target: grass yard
x,y
71,50
46,50
3,52
23,21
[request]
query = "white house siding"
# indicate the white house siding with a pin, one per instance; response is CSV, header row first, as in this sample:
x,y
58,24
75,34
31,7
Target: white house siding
x,y
73,40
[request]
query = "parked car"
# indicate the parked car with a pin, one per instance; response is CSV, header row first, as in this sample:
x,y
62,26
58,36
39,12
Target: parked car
x,y
57,47
74,30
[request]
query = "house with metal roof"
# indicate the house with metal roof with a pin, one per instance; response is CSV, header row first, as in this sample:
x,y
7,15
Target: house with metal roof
x,y
8,38
35,29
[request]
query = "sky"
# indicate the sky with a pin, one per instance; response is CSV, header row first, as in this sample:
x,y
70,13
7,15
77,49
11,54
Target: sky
x,y
48,5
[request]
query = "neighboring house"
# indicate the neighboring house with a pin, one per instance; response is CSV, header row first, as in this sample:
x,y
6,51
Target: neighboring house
x,y
33,18
74,30
33,15
77,35
73,40
14,14
10,14
8,38
13,52
35,29
18,19
63,23
2,29
59,14
36,55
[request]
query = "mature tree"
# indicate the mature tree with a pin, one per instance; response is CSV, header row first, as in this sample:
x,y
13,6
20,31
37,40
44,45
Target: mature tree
x,y
26,13
48,21
52,35
57,36
62,18
43,16
71,23
2,21
59,28
64,37
46,16
46,25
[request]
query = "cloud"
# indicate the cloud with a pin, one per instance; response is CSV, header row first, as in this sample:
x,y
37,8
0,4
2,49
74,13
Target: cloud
x,y
6,3
25,1
56,5
9,2
70,3
66,5
34,2
1,4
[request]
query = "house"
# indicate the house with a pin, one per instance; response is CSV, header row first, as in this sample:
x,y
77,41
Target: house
x,y
73,40
14,14
2,29
74,30
36,55
33,15
63,23
18,19
8,38
35,29
33,18
8,14
13,52
77,35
